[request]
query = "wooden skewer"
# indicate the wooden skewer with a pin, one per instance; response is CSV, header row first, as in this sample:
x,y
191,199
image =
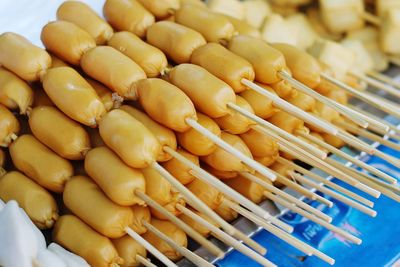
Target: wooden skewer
x,y
251,243
384,78
186,228
196,259
145,262
329,183
330,170
392,160
371,18
264,125
333,194
225,146
149,247
347,157
287,196
315,219
192,199
304,247
212,180
291,109
364,133
377,84
355,142
226,238
361,95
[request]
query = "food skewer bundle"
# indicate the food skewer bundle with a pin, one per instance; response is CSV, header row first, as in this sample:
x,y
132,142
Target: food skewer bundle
x,y
201,118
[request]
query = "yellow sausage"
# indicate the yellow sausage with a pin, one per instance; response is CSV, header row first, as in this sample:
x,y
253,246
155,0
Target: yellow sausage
x,y
23,58
56,62
65,137
9,126
181,171
148,57
193,2
260,144
95,138
172,231
287,122
303,101
235,123
127,249
40,98
283,89
83,16
206,193
161,9
224,64
267,160
105,95
224,161
118,181
129,138
73,95
214,27
40,163
86,200
247,188
100,63
243,28
326,112
209,94
338,95
66,40
226,212
305,68
14,92
34,199
333,140
195,142
160,190
128,15
262,106
165,136
176,41
165,103
220,174
266,60
79,238
204,231
140,214
281,169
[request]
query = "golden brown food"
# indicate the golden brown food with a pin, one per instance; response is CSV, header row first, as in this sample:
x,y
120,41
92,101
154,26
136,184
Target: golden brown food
x,y
99,63
201,229
83,16
176,41
283,89
193,2
56,62
195,142
262,106
224,161
179,170
148,57
338,95
95,138
129,138
213,26
267,160
23,58
40,98
266,60
86,200
127,249
65,137
140,214
219,174
287,122
165,136
247,188
34,199
224,64
118,181
73,95
226,212
303,66
105,95
209,94
260,144
128,15
243,28
66,40
235,123
206,193
161,9
9,126
173,232
333,140
303,101
40,163
79,238
14,92
165,103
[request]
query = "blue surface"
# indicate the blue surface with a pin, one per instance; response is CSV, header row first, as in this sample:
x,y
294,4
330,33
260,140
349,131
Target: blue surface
x,y
380,235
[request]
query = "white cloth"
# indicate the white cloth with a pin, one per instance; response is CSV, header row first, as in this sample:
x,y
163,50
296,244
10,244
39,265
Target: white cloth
x,y
69,258
46,258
